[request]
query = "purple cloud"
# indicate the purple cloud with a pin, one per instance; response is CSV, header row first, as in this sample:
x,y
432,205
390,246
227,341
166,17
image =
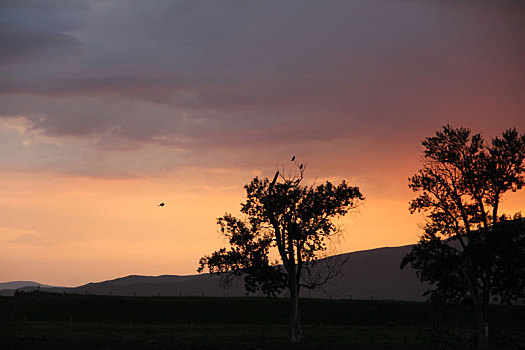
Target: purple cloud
x,y
198,76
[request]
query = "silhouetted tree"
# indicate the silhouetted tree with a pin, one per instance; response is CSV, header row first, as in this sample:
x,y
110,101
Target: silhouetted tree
x,y
468,252
293,218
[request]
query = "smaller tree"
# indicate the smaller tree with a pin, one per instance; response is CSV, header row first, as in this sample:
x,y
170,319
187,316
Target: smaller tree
x,y
468,251
290,218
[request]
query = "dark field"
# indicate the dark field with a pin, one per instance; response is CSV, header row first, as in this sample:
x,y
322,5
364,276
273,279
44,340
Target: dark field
x,y
45,321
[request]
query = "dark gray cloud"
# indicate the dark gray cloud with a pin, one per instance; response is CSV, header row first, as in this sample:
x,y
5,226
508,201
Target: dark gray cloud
x,y
55,15
34,31
213,74
25,45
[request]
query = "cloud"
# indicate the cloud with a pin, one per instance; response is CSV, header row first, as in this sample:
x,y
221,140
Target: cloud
x,y
32,45
248,76
25,236
37,31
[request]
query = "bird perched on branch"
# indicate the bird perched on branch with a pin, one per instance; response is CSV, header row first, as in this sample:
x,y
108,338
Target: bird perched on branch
x,y
293,158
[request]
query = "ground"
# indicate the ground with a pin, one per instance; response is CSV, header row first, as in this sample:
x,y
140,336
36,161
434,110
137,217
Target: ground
x,y
44,321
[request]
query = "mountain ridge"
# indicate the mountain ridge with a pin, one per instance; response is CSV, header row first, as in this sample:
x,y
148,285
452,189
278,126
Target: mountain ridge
x,y
21,284
369,274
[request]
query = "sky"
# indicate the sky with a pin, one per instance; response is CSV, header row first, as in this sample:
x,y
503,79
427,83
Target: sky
x,y
109,107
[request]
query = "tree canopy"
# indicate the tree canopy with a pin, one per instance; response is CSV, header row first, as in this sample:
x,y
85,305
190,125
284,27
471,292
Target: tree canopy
x,y
468,251
291,218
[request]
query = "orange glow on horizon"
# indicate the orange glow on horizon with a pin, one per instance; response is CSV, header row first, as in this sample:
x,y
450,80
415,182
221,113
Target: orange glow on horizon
x,y
71,230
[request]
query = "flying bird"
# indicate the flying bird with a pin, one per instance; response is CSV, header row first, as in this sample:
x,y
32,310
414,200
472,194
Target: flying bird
x,y
162,204
293,158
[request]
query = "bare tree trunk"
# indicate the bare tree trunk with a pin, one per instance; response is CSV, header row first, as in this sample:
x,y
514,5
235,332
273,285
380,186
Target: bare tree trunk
x,y
483,328
481,310
295,312
295,317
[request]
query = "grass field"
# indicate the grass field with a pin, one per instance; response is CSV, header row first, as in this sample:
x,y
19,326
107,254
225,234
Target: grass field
x,y
47,321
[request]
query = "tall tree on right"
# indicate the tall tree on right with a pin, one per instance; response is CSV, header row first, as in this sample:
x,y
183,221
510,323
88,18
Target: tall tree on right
x,y
469,251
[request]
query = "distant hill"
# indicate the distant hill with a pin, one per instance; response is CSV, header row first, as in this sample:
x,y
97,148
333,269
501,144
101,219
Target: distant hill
x,y
21,284
369,274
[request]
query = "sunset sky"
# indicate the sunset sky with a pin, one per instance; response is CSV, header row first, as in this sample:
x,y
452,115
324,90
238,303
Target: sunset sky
x,y
108,108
